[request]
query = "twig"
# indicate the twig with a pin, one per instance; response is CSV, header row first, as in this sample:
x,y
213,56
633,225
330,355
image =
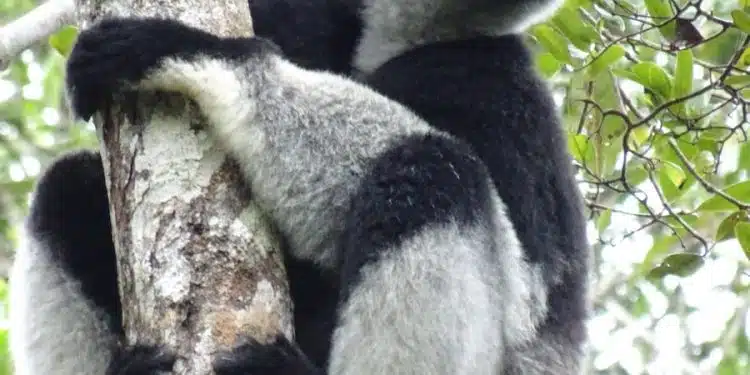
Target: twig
x,y
32,27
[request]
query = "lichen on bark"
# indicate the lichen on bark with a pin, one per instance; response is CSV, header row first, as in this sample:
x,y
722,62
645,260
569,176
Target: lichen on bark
x,y
198,262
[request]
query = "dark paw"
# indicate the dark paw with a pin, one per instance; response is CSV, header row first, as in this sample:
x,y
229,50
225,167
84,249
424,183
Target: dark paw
x,y
254,358
141,360
121,52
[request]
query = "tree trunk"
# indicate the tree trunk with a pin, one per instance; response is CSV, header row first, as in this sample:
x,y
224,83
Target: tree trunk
x,y
198,263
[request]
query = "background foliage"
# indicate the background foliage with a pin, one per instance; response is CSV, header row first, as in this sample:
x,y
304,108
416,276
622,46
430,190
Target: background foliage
x,y
654,95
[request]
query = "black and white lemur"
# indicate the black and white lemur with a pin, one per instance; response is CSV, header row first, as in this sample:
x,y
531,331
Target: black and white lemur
x,y
407,151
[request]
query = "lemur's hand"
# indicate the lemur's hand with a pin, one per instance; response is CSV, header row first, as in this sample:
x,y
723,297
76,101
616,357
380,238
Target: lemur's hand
x,y
141,360
119,53
254,358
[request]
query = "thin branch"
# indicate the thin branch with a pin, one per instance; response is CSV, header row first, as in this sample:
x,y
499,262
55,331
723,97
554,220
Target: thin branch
x,y
33,27
706,185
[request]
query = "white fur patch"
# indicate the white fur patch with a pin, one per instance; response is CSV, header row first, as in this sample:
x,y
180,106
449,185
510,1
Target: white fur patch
x,y
546,355
54,330
392,28
213,83
431,306
525,293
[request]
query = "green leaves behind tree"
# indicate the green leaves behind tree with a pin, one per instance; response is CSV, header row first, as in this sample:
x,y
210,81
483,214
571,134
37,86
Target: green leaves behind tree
x,y
34,128
654,96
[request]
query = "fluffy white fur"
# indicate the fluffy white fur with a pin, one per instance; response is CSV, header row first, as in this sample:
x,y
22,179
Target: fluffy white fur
x,y
443,320
392,28
46,303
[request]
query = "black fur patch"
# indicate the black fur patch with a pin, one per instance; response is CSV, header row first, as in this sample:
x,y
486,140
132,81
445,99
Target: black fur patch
x,y
280,357
70,218
121,51
314,34
141,360
421,180
485,91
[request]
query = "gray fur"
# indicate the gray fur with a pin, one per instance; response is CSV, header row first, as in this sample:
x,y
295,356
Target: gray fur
x,y
442,317
393,27
464,324
50,316
524,293
544,355
271,115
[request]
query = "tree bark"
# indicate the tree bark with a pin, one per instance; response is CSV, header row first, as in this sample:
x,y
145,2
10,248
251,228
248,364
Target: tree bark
x,y
198,262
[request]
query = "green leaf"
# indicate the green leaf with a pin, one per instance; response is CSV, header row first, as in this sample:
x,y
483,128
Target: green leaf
x,y
665,151
725,230
674,172
741,20
728,366
640,306
683,264
607,58
661,246
63,40
742,232
660,11
553,42
636,173
739,191
603,221
683,79
744,60
711,139
743,157
650,76
657,273
638,137
547,64
5,363
568,21
675,221
653,77
670,190
579,147
737,81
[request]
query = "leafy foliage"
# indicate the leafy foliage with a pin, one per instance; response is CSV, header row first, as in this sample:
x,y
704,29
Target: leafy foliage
x,y
33,130
655,97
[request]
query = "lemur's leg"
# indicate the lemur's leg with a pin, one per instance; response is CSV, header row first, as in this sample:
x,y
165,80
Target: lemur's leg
x,y
65,304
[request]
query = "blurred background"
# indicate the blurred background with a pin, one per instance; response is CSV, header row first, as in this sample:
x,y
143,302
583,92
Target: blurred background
x,y
654,96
